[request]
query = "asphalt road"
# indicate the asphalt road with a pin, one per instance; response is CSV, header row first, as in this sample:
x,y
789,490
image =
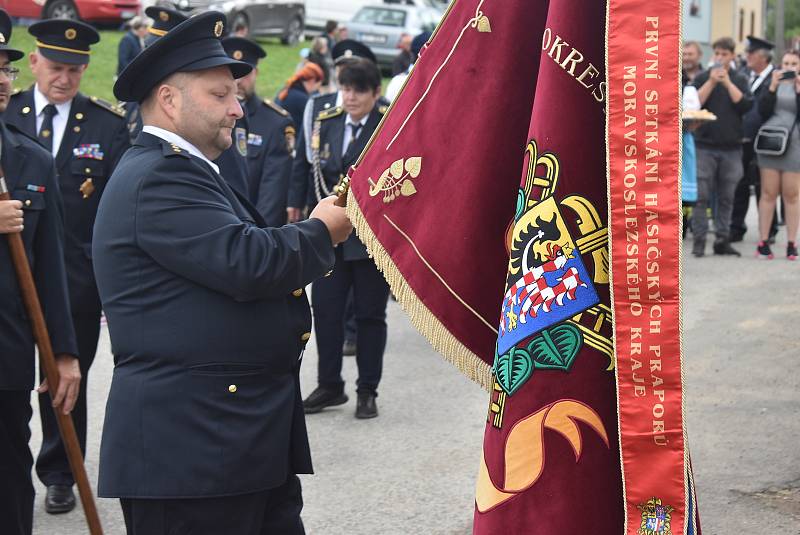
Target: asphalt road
x,y
412,470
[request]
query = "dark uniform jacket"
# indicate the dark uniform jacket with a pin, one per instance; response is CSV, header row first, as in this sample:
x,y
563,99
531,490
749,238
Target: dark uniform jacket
x,y
208,320
30,178
233,160
94,140
332,164
753,119
270,151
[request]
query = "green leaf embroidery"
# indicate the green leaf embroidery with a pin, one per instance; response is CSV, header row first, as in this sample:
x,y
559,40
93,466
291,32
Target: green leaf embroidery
x,y
513,369
556,348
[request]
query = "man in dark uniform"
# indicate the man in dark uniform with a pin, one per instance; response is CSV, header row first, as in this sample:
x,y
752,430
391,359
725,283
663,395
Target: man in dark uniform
x,y
758,72
164,19
87,137
204,429
271,137
35,211
340,135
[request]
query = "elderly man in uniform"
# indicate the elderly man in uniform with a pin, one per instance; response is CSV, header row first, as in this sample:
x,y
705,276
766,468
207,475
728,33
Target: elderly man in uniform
x,y
35,211
87,137
271,137
204,429
340,135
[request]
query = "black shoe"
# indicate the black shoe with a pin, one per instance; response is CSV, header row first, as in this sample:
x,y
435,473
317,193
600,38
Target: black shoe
x,y
365,406
59,499
349,348
723,247
699,248
736,237
763,251
791,251
321,398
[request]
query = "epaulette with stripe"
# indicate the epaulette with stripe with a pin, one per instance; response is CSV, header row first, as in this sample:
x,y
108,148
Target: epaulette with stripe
x,y
330,114
268,103
106,105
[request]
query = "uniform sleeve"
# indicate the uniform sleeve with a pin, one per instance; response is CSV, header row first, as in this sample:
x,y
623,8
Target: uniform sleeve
x,y
301,172
50,273
120,142
276,172
187,225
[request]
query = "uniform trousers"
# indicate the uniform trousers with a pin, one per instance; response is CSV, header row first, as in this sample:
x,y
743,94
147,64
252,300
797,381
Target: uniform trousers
x,y
16,461
269,512
718,173
329,300
52,465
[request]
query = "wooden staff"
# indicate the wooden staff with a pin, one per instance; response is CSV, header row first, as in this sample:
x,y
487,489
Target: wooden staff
x,y
48,363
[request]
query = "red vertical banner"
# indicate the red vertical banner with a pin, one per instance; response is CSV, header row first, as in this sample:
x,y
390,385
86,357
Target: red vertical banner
x,y
644,131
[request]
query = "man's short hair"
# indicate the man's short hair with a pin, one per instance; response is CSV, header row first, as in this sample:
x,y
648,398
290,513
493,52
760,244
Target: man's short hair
x,y
330,26
725,43
361,75
695,44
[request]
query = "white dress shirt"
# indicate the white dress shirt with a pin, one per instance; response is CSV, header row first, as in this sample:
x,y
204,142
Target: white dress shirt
x,y
175,139
59,119
348,130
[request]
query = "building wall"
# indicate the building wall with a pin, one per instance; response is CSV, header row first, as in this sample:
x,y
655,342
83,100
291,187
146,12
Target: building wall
x,y
737,19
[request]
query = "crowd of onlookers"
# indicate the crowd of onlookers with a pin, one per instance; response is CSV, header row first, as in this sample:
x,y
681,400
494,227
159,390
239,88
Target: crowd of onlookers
x,y
741,135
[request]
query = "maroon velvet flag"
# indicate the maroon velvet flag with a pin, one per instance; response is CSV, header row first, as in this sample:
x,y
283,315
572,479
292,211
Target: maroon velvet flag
x,y
509,278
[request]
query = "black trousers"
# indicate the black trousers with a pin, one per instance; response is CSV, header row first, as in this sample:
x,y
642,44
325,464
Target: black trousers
x,y
52,465
329,299
16,461
270,512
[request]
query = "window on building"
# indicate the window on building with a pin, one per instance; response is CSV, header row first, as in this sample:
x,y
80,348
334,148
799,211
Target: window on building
x,y
741,25
752,23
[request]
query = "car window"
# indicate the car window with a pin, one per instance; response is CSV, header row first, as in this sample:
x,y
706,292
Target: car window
x,y
428,20
379,16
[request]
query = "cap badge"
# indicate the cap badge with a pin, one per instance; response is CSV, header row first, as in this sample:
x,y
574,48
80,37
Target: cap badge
x,y
70,34
218,29
237,54
164,16
348,53
2,38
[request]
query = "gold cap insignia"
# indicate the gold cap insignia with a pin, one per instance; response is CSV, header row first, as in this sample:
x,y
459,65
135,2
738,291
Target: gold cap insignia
x,y
70,34
164,16
237,54
2,38
348,53
218,28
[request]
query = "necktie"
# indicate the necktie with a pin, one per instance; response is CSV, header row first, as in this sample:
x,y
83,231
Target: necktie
x,y
355,129
46,130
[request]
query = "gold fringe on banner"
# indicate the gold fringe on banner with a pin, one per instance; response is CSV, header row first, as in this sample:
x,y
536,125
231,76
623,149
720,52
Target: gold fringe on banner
x,y
422,318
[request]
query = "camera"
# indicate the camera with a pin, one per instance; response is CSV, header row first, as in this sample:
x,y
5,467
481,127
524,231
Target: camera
x,y
788,75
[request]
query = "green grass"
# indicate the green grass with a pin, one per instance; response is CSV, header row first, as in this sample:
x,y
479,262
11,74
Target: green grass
x,y
98,80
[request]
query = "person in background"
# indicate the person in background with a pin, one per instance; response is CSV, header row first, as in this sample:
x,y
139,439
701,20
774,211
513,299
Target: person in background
x,y
396,83
299,88
330,33
240,30
342,34
321,55
692,56
726,94
780,105
404,58
759,70
131,43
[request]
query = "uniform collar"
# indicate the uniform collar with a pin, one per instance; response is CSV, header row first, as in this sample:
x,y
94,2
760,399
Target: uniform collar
x,y
40,101
172,137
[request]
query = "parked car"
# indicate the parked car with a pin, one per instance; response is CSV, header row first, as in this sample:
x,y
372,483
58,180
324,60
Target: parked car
x,y
380,26
318,12
263,18
94,11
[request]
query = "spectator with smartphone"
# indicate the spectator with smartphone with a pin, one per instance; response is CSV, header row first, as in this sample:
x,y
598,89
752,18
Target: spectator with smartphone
x,y
726,94
780,105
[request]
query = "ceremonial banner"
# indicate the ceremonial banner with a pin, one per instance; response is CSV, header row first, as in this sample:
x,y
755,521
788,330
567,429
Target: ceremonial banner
x,y
518,295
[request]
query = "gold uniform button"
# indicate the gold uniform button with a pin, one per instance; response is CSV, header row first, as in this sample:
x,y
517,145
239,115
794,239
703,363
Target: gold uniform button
x,y
87,170
27,202
232,389
305,337
79,116
26,110
298,292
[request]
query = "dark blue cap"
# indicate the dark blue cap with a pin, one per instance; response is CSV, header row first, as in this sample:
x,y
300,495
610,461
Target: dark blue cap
x,y
164,19
64,41
193,45
348,48
756,43
243,49
5,38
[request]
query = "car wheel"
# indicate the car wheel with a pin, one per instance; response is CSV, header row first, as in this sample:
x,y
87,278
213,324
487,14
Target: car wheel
x,y
294,32
240,19
61,9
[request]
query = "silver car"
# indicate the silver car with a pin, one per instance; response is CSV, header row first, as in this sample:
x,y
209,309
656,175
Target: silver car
x,y
280,18
379,26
